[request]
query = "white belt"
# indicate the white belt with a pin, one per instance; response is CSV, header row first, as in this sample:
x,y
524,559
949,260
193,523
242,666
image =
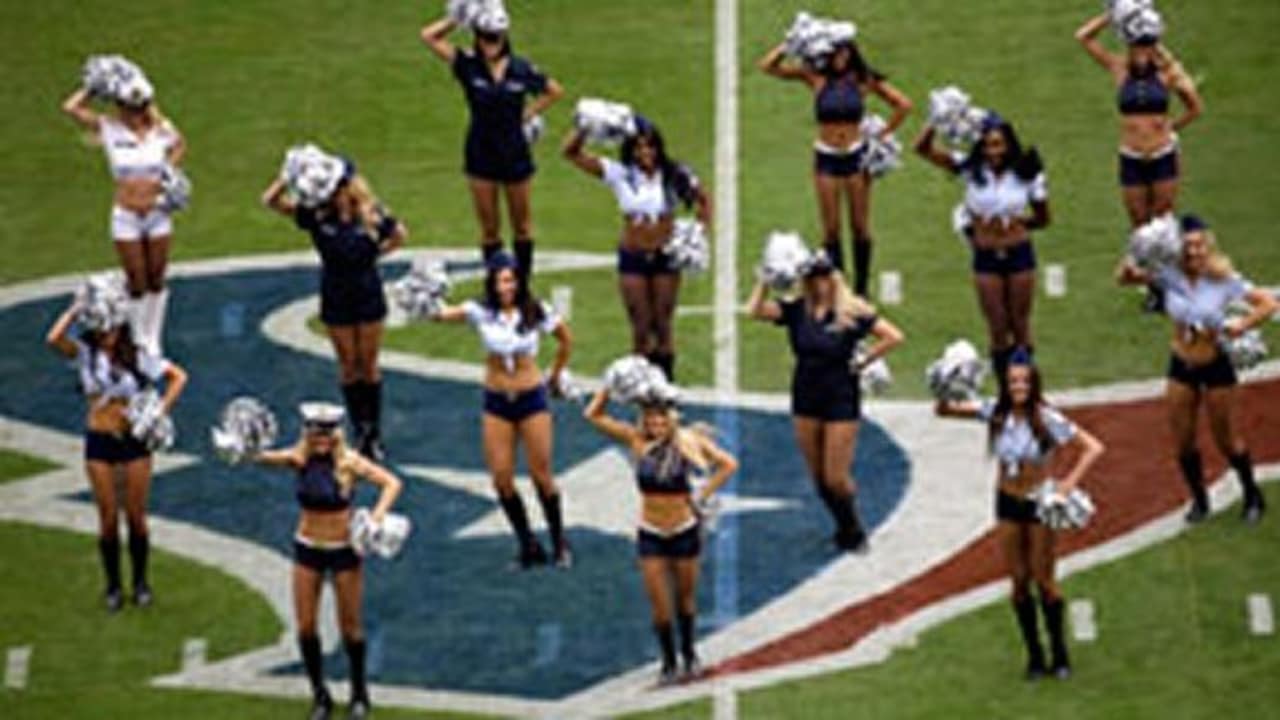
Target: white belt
x,y
692,522
826,149
1163,150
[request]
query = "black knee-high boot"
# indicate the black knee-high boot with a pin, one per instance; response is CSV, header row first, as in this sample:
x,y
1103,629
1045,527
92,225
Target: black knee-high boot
x,y
1053,620
849,532
687,639
373,408
835,251
353,398
1000,365
109,551
489,248
1193,474
1254,504
313,661
139,549
861,265
828,499
665,361
356,650
667,643
555,522
524,256
530,551
1025,610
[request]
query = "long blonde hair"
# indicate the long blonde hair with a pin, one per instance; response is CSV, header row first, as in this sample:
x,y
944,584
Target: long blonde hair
x,y
1217,265
155,119
689,440
1168,63
343,459
848,307
366,203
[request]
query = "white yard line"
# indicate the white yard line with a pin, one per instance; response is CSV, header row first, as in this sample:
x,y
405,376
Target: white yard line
x,y
726,197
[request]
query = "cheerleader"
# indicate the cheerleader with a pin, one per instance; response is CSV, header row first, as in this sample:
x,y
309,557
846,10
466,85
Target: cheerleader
x,y
1024,434
497,155
509,319
139,142
668,540
1006,197
840,87
649,187
1144,77
350,230
113,369
825,324
326,471
1198,292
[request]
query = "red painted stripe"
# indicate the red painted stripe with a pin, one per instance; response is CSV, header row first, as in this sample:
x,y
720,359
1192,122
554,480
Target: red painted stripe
x,y
1136,481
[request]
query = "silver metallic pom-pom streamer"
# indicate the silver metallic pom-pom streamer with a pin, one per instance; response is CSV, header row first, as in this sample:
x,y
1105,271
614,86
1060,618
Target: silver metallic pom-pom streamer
x,y
785,257
957,375
876,378
883,152
688,247
422,291
953,115
102,302
1247,351
148,422
813,39
1058,512
384,539
311,175
633,379
1157,243
245,428
175,189
603,121
1139,24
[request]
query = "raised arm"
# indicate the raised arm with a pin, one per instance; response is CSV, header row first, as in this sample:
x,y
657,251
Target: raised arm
x,y
58,337
575,151
597,414
898,100
1262,307
284,457
926,149
77,107
1091,449
775,63
175,381
1087,36
388,484
760,306
888,336
436,37
275,198
725,465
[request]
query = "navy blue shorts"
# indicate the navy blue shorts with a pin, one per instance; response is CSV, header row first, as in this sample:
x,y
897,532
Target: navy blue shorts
x,y
1009,261
499,161
1015,509
114,449
325,560
514,407
828,398
1219,373
686,544
352,301
1135,172
648,264
844,165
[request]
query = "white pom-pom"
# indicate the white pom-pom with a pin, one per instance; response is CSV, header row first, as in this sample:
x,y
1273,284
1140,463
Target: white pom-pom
x,y
603,121
958,374
102,302
876,378
784,260
533,129
688,247
567,387
245,428
1058,512
422,291
1157,243
1137,21
148,422
633,379
311,174
883,152
953,115
175,189
1247,351
384,539
813,39
962,222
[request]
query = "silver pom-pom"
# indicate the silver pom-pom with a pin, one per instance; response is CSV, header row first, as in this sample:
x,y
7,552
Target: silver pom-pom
x,y
422,291
883,153
486,15
1247,351
957,375
1157,244
148,422
311,174
245,428
633,379
102,302
567,387
1139,24
116,78
876,378
175,189
687,247
813,39
962,222
533,129
384,539
604,122
953,115
785,258
1058,512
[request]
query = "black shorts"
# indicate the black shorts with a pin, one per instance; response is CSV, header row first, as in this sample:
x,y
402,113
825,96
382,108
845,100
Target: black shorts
x,y
1219,373
1138,172
828,398
1015,509
352,301
648,264
325,560
840,165
514,407
685,544
499,160
114,449
1008,261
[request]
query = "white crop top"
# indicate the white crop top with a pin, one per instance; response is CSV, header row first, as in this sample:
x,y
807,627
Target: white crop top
x,y
640,196
1016,443
1005,196
99,376
131,156
500,332
1201,305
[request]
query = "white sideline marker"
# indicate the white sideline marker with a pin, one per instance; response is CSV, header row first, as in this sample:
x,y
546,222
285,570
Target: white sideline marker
x,y
1262,620
193,653
891,287
1055,280
724,702
562,301
1083,626
17,667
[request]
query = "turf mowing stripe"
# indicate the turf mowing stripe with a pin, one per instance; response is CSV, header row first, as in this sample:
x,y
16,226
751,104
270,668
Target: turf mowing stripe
x,y
17,667
1261,618
194,651
1083,626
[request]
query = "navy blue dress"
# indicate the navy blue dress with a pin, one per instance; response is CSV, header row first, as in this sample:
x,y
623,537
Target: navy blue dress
x,y
822,385
350,284
496,147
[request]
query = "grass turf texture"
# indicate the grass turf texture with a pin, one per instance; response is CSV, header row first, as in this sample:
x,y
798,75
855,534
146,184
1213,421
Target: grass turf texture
x,y
17,466
1173,643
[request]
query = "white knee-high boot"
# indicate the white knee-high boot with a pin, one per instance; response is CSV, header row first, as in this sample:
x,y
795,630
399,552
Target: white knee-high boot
x,y
154,307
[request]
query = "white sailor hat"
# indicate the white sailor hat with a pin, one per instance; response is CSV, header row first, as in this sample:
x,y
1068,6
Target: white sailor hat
x,y
321,414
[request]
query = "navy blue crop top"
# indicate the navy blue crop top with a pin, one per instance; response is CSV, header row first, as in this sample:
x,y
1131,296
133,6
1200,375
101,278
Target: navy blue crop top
x,y
663,470
346,248
839,100
1143,94
317,486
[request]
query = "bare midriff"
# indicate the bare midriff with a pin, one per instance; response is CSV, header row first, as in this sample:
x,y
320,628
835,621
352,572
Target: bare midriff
x,y
839,135
1024,482
1194,347
665,511
137,195
998,233
107,417
524,375
646,235
325,527
1147,134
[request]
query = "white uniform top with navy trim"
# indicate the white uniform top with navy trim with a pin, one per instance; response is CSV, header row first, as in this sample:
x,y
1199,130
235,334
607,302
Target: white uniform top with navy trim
x,y
500,332
103,378
1016,443
130,155
1202,304
640,195
1003,197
